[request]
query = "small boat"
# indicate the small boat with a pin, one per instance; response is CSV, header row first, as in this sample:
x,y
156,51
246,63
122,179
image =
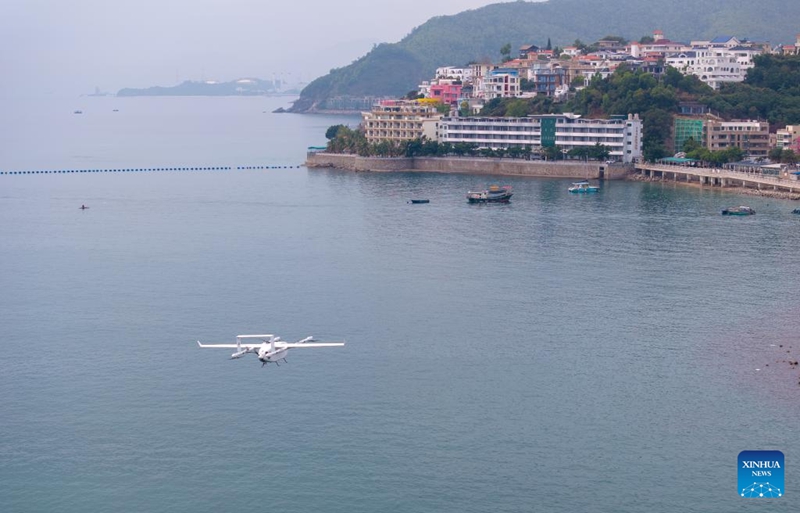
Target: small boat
x,y
83,207
494,194
738,211
583,187
419,201
78,112
796,211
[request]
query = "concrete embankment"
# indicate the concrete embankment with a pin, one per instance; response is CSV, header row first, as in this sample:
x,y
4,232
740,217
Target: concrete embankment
x,y
466,165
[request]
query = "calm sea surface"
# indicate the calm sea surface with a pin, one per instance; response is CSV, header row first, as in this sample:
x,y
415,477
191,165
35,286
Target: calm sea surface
x,y
611,352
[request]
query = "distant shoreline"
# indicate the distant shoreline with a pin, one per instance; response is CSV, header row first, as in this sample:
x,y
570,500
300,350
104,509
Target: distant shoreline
x,y
180,95
238,87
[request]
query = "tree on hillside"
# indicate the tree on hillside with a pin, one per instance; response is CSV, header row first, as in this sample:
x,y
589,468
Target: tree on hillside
x,y
646,40
517,109
443,108
505,52
621,40
549,45
577,81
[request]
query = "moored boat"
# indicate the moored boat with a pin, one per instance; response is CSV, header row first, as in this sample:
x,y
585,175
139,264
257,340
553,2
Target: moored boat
x,y
583,187
738,211
494,194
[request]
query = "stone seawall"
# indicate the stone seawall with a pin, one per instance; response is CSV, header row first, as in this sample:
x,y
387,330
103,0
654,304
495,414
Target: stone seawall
x,y
462,165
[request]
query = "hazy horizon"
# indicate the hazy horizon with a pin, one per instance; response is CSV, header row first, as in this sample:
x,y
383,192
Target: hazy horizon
x,y
71,48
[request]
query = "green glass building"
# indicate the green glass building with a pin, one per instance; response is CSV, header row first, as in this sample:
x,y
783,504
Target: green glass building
x,y
686,128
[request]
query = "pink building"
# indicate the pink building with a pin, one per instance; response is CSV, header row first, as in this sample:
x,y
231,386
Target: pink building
x,y
446,93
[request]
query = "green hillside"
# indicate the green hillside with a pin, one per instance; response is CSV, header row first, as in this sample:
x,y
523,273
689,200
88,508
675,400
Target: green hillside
x,y
477,35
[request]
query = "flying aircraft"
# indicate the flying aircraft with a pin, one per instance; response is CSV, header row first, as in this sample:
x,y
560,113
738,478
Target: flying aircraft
x,y
270,349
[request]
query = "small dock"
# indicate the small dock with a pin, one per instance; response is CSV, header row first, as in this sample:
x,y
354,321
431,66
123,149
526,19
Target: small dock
x,y
717,177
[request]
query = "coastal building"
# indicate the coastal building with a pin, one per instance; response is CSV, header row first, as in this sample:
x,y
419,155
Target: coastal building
x,y
788,138
685,129
752,137
548,78
445,93
721,60
502,83
715,134
528,51
400,120
454,73
714,66
480,72
622,135
660,47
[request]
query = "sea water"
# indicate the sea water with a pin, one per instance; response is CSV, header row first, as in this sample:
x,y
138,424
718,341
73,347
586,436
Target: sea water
x,y
604,352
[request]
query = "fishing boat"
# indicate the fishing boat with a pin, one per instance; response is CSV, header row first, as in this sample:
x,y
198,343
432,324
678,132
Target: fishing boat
x,y
738,211
494,194
581,187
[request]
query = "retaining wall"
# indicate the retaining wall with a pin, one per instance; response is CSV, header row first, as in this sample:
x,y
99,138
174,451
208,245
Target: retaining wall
x,y
483,166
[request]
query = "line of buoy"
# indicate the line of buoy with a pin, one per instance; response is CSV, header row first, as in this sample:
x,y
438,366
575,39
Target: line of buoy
x,y
144,169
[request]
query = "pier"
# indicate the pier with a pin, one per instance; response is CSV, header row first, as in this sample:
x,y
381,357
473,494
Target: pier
x,y
718,177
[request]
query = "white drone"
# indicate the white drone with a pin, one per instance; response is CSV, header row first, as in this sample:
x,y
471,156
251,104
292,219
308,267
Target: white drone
x,y
271,349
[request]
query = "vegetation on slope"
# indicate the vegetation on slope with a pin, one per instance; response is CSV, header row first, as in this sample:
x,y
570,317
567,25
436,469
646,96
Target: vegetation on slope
x,y
771,91
476,35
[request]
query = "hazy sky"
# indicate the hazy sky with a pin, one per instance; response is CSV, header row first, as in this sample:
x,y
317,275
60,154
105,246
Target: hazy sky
x,y
75,45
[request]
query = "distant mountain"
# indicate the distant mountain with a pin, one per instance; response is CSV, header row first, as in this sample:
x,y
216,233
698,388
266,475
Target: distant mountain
x,y
240,87
477,35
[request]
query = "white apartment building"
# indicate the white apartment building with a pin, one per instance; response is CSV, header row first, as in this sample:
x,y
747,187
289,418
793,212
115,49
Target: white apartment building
x,y
501,83
716,62
453,73
623,136
712,66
